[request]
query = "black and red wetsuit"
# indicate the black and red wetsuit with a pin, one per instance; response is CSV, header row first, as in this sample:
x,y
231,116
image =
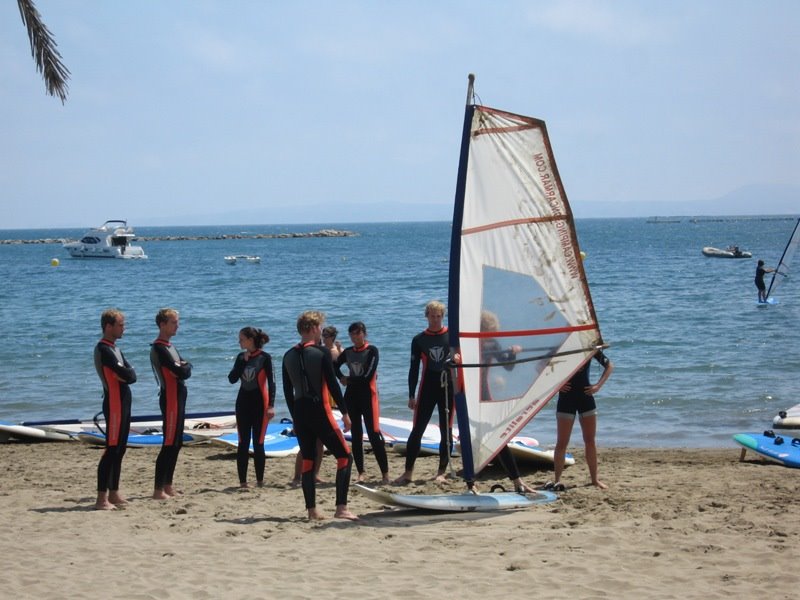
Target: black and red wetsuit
x,y
309,383
171,371
576,400
361,398
432,350
256,395
117,375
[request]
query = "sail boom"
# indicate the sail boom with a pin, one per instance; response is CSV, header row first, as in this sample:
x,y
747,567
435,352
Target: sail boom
x,y
527,332
511,223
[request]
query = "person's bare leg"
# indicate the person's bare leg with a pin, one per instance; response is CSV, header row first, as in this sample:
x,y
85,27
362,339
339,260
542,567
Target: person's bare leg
x,y
589,430
563,433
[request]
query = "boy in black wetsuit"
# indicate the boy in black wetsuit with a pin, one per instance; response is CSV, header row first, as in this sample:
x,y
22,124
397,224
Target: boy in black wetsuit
x,y
309,381
431,348
116,375
171,371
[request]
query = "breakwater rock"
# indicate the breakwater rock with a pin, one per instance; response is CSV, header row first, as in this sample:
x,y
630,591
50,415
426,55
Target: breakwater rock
x,y
322,233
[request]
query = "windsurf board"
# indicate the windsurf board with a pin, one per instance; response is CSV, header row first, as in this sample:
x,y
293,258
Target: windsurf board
x,y
27,433
136,440
783,450
278,441
459,502
787,419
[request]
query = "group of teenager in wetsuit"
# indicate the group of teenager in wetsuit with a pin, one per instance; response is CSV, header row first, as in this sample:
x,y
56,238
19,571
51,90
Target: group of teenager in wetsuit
x,y
117,375
311,378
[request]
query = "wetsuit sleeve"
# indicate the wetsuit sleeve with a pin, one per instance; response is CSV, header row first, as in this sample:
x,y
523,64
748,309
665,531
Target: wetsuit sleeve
x,y
602,359
337,366
238,368
288,389
270,379
413,369
165,359
123,369
130,374
333,385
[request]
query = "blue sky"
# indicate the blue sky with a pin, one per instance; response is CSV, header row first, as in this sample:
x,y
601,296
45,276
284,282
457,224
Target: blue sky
x,y
212,111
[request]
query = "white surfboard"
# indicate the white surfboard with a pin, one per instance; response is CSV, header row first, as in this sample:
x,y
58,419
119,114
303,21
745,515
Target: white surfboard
x,y
459,502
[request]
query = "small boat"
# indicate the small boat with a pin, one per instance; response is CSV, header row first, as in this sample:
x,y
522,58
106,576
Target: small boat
x,y
111,240
232,260
729,252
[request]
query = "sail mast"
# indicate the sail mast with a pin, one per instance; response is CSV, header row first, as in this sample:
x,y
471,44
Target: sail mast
x,y
782,268
453,300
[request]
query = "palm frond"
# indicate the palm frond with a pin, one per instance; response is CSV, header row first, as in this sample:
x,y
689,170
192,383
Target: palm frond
x,y
44,52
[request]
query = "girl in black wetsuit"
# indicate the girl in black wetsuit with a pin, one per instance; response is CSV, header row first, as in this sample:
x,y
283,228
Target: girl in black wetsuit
x,y
361,397
255,403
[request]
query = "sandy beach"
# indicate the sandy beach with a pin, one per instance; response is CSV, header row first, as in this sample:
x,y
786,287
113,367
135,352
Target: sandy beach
x,y
674,524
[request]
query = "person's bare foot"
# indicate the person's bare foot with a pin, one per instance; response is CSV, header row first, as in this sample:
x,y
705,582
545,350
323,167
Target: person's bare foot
x,y
244,485
361,478
106,505
385,479
171,491
315,515
440,477
343,513
404,479
160,495
600,484
117,500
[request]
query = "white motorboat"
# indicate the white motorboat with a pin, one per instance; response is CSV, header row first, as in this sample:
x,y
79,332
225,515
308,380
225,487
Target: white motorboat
x,y
729,252
111,240
232,260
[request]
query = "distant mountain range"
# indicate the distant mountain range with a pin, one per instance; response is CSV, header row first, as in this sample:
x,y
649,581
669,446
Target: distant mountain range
x,y
748,200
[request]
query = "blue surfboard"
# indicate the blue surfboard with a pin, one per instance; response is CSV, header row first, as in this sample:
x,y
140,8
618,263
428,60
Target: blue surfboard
x,y
279,441
144,440
784,450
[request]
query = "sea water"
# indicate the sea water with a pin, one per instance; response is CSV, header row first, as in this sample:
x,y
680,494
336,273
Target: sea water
x,y
696,359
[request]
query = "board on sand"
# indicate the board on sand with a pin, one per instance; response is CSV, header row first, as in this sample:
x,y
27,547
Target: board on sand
x,y
781,449
145,440
26,433
525,450
277,441
459,502
787,419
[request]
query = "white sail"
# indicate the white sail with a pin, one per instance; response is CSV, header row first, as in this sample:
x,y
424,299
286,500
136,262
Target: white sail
x,y
782,270
515,262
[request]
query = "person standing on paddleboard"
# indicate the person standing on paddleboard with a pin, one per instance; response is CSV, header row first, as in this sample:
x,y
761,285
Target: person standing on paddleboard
x,y
117,375
309,383
761,270
255,402
170,371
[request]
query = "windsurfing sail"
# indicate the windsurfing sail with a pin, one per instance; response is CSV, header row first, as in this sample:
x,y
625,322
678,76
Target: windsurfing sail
x,y
520,313
782,270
